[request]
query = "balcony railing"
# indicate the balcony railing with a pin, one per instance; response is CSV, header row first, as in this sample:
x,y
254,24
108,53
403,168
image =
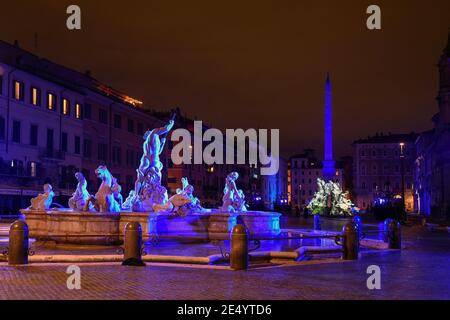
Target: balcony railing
x,y
52,154
15,173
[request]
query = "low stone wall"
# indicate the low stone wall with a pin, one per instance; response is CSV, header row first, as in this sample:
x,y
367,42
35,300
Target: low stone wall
x,y
92,228
66,226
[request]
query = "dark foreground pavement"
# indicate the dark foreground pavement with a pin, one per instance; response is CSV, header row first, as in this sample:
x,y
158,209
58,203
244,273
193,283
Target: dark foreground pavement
x,y
420,271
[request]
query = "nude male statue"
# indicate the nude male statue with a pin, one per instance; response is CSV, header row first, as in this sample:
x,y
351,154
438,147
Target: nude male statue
x,y
154,141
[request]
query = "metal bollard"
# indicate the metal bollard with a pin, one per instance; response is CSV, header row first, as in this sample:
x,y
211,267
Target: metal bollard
x,y
392,232
239,248
133,245
18,243
350,242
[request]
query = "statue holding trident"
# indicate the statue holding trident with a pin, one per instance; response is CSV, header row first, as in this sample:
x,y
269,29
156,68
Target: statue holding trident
x,y
154,141
147,188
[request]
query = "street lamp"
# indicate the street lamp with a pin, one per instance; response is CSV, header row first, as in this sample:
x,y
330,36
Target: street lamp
x,y
402,164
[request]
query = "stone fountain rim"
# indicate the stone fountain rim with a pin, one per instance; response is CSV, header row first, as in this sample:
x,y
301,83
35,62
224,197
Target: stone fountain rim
x,y
70,212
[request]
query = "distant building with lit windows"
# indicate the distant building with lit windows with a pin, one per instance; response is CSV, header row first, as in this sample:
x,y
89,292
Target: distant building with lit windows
x,y
377,165
209,180
55,121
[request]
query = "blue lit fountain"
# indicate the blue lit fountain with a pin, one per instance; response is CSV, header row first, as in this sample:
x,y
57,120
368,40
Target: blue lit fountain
x,y
101,218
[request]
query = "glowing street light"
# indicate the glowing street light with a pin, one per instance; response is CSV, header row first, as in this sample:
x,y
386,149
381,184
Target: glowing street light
x,y
402,149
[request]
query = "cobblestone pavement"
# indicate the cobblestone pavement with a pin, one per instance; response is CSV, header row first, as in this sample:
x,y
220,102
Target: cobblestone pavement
x,y
420,271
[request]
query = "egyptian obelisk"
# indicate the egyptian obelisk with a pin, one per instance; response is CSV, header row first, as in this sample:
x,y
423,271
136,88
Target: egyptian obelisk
x,y
328,170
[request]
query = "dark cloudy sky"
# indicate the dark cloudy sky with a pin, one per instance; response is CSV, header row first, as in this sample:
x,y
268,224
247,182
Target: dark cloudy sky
x,y
254,63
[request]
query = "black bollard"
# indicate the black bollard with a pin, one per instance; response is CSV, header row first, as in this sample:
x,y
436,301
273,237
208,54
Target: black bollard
x,y
350,242
392,232
239,248
18,243
133,245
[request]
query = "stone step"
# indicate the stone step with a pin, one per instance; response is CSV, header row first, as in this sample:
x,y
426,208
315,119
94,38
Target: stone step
x,y
4,231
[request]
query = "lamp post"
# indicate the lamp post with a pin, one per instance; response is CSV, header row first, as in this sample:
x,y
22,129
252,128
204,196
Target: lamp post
x,y
402,168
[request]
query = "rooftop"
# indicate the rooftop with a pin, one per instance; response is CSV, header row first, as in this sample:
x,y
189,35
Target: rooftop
x,y
389,138
21,59
307,153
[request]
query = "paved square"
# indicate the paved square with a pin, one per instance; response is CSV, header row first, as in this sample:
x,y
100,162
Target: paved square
x,y
420,271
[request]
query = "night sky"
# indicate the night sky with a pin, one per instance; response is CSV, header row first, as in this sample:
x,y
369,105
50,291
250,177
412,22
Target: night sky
x,y
254,63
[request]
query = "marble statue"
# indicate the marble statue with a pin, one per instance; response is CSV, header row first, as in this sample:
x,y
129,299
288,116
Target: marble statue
x,y
152,193
183,202
187,190
154,141
107,198
116,190
81,195
128,203
233,199
330,199
148,190
44,200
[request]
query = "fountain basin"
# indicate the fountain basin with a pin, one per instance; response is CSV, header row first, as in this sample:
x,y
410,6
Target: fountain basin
x,y
93,228
74,227
334,224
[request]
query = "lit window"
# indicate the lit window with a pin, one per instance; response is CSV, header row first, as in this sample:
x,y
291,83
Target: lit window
x,y
18,90
33,170
51,101
78,111
66,107
35,96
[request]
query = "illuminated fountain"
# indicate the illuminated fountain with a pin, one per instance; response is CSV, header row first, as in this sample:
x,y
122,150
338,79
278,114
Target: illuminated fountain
x,y
101,218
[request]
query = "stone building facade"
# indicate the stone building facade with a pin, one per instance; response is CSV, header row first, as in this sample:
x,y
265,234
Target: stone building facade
x,y
305,169
432,172
209,180
378,168
55,121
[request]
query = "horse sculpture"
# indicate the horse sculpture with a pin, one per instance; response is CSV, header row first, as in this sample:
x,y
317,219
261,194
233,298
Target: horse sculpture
x,y
107,198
